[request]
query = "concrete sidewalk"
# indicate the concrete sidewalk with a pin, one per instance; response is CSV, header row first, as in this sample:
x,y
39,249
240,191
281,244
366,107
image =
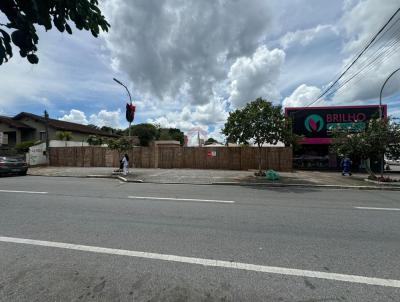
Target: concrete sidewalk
x,y
229,177
148,175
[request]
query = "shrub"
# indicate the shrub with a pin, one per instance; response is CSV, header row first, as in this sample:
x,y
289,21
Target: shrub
x,y
24,146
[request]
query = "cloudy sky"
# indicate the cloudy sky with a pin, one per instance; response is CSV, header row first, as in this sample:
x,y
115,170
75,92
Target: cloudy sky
x,y
189,62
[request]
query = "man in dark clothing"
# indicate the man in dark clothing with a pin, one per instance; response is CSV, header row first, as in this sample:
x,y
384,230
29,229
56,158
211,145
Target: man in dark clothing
x,y
346,166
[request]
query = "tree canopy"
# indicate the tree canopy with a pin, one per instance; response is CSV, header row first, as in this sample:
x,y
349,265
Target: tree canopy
x,y
210,141
24,15
94,140
381,136
171,134
121,144
259,123
64,135
145,132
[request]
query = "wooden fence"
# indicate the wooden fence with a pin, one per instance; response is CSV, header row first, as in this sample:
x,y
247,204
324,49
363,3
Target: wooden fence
x,y
226,158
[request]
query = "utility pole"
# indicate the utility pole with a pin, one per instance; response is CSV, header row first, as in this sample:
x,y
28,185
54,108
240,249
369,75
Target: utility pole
x,y
46,125
381,114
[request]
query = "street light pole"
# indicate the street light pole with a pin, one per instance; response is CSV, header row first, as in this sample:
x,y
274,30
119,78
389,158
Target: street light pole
x,y
381,112
130,100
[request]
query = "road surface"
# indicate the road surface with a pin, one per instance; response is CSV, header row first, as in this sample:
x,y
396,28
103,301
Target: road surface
x,y
70,239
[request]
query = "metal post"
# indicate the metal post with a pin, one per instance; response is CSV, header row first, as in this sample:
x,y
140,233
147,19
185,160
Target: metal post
x,y
46,125
381,113
130,100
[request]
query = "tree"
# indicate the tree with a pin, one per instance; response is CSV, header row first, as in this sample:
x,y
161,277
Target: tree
x,y
24,15
259,122
94,140
145,132
64,135
93,126
111,130
210,141
171,134
121,144
381,136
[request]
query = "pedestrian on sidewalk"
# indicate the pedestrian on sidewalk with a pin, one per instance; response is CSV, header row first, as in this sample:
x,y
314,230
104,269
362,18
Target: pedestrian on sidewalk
x,y
125,163
346,166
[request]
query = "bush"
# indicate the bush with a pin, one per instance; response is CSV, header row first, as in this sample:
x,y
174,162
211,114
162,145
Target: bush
x,y
94,140
121,144
24,146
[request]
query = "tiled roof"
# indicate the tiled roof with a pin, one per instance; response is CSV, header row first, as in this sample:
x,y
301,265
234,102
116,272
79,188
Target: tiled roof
x,y
13,123
65,126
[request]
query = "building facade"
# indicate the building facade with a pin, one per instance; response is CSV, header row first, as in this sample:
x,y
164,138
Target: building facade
x,y
316,126
31,127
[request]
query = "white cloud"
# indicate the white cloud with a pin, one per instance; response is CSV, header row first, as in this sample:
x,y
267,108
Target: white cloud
x,y
193,118
301,96
100,119
359,24
71,69
181,49
305,37
106,118
255,76
363,20
211,113
75,116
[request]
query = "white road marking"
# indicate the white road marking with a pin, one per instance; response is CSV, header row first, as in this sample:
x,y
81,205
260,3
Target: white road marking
x,y
210,262
377,209
181,199
25,192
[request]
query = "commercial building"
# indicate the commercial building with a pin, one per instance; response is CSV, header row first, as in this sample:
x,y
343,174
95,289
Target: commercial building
x,y
316,126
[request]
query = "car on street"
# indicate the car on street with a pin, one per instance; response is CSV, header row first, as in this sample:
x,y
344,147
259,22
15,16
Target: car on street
x,y
13,165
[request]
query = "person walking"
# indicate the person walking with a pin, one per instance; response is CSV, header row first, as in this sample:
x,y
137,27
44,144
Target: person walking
x,y
346,165
125,163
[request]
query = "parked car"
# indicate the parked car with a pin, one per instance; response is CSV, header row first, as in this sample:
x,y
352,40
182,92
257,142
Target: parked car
x,y
392,162
13,165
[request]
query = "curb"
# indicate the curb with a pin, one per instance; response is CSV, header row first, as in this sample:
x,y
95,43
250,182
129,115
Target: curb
x,y
98,176
122,178
397,184
273,185
305,186
70,176
382,187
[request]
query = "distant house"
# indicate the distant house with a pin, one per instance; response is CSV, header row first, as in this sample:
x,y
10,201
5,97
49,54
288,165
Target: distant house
x,y
31,127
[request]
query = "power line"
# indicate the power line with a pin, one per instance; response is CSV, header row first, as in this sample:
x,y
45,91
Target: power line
x,y
356,59
383,60
392,41
377,58
382,56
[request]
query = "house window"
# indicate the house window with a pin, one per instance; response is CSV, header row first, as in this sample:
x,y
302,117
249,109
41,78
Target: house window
x,y
42,135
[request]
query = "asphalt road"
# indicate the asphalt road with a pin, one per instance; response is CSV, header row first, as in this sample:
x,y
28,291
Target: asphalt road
x,y
70,239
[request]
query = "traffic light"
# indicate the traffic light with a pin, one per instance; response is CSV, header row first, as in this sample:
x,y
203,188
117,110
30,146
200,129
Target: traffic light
x,y
130,112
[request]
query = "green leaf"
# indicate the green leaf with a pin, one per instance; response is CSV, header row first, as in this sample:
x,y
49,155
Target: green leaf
x,y
59,24
33,59
85,14
68,28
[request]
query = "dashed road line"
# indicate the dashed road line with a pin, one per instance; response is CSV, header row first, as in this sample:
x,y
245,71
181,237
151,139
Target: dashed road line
x,y
181,199
377,209
24,192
